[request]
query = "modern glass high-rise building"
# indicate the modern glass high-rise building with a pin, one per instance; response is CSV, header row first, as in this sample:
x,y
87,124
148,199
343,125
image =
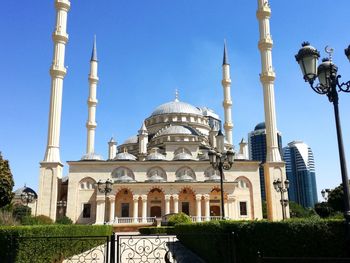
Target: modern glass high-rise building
x,y
257,150
300,169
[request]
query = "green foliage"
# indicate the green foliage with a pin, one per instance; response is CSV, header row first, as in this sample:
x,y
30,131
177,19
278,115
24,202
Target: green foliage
x,y
180,218
6,183
64,220
7,219
291,238
336,198
36,220
298,211
170,230
264,209
323,209
18,243
21,211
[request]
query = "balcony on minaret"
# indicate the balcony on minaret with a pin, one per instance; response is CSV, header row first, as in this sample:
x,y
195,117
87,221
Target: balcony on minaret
x,y
60,37
58,70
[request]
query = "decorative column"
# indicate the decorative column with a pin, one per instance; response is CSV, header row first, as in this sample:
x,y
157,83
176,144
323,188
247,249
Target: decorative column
x,y
143,141
111,208
199,207
176,203
167,204
274,167
51,168
227,103
136,207
230,205
100,209
207,207
144,208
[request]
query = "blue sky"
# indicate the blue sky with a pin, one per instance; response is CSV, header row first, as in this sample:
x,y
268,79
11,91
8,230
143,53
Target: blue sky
x,y
146,50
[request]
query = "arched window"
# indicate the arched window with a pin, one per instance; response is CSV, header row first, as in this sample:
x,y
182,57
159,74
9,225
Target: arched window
x,y
87,183
123,175
156,174
185,174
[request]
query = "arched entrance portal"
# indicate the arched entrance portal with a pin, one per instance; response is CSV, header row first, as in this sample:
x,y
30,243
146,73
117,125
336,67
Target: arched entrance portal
x,y
215,202
124,203
187,201
156,202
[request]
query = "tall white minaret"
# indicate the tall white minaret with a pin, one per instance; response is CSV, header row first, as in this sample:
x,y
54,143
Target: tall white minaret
x,y
274,167
51,168
57,72
92,102
143,141
227,103
267,78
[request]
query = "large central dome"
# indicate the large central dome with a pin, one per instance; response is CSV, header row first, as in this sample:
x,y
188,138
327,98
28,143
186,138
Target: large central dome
x,y
176,107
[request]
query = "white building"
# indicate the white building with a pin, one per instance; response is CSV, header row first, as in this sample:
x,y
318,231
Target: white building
x,y
162,169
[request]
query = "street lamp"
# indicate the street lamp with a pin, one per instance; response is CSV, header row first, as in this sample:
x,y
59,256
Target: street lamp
x,y
325,193
328,84
105,188
27,197
279,187
220,160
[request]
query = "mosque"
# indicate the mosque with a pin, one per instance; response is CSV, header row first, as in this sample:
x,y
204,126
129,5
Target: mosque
x,y
164,168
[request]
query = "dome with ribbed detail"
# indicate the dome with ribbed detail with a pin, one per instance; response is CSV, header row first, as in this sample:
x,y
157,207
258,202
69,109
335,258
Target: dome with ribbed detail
x,y
176,107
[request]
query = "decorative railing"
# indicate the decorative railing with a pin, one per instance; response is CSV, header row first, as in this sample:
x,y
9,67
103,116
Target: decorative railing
x,y
133,220
204,218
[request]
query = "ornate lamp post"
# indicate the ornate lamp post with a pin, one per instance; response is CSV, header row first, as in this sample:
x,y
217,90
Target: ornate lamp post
x,y
329,85
105,188
221,160
27,197
279,187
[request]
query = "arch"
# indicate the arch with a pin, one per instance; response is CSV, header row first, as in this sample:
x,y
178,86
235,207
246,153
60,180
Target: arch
x,y
250,189
185,174
87,183
156,202
187,201
123,174
156,174
124,202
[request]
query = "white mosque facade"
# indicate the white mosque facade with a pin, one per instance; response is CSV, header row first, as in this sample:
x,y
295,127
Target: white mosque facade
x,y
164,168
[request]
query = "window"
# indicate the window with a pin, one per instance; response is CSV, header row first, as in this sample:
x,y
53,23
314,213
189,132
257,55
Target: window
x,y
243,208
86,210
125,209
186,208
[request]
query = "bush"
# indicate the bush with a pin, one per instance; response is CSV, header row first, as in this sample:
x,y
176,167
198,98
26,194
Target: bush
x,y
7,219
292,238
170,230
37,220
64,220
21,211
180,218
18,243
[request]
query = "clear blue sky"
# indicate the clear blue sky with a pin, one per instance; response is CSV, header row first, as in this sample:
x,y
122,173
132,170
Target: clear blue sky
x,y
147,49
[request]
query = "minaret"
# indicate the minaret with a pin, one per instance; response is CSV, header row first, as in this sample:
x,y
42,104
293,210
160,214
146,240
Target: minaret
x,y
267,78
51,168
143,141
92,102
112,149
57,72
274,168
227,103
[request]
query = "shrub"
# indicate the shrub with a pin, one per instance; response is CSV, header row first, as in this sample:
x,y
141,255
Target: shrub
x,y
18,243
180,218
170,230
21,211
292,238
36,220
7,219
64,220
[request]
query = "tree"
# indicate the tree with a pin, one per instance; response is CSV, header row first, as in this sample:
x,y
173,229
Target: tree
x,y
336,198
6,183
323,209
298,211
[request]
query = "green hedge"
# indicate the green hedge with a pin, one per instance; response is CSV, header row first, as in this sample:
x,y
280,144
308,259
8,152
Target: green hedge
x,y
170,230
48,243
214,242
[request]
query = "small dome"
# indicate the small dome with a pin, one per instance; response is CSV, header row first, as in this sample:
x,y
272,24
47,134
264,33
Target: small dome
x,y
124,179
176,107
155,155
260,126
183,156
184,178
156,178
132,139
91,157
124,156
176,129
213,178
25,189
